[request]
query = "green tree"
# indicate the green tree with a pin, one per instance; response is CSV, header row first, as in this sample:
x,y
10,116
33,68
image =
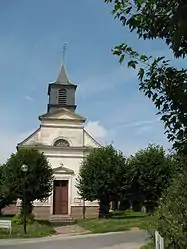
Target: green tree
x,y
171,217
163,84
36,183
149,172
102,177
7,195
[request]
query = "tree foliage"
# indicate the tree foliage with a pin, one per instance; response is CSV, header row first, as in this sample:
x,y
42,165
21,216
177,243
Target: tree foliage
x,y
36,183
164,84
102,177
152,19
171,218
149,172
7,194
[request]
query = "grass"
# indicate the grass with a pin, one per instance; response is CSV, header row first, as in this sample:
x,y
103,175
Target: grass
x,y
34,230
119,221
148,246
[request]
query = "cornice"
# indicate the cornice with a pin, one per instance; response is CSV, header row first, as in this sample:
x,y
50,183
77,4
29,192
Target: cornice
x,y
62,126
50,147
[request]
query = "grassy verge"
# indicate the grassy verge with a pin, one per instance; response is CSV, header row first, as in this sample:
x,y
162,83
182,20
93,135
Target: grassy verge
x,y
148,246
34,230
119,221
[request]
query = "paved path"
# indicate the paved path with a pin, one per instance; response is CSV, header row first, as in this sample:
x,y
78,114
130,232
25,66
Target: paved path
x,y
71,229
123,240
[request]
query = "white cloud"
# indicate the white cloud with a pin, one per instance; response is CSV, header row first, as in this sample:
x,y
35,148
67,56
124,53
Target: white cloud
x,y
137,123
96,129
144,129
28,98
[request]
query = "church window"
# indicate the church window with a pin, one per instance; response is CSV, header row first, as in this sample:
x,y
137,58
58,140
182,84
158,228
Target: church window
x,y
62,97
61,143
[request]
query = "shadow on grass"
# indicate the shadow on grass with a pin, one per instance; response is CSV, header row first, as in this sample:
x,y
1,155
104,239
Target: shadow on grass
x,y
8,216
126,217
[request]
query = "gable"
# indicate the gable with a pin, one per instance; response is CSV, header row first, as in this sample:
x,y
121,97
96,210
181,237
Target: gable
x,y
62,114
31,139
89,141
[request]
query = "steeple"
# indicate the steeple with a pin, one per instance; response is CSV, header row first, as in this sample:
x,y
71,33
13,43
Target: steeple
x,y
61,92
62,77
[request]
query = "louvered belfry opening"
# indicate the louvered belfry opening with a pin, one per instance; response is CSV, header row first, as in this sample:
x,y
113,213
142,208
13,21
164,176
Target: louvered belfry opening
x,y
61,93
62,97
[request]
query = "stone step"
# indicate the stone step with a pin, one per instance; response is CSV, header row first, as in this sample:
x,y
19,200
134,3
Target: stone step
x,y
62,219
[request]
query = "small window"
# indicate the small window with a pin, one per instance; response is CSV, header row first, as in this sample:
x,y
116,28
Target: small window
x,y
61,143
62,97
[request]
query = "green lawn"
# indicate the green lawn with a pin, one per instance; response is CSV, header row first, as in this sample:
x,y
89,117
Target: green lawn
x,y
119,221
148,246
35,230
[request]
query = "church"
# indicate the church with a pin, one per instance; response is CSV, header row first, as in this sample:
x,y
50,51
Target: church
x,y
63,139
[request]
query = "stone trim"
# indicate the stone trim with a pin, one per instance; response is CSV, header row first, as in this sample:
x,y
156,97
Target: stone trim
x,y
49,147
51,115
63,156
62,170
62,126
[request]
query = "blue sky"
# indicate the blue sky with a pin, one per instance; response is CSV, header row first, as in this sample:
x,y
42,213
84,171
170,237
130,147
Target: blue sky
x,y
31,44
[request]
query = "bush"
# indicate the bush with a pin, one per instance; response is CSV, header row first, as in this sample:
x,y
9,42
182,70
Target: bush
x,y
171,217
18,219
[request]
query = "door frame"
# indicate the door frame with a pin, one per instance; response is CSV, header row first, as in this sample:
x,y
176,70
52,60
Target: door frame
x,y
64,178
57,203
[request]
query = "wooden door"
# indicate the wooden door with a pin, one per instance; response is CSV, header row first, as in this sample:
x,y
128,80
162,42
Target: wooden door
x,y
60,197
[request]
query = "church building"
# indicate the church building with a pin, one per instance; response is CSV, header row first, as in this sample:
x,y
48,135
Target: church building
x,y
62,137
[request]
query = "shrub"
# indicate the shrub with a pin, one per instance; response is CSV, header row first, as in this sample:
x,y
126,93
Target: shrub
x,y
18,219
171,217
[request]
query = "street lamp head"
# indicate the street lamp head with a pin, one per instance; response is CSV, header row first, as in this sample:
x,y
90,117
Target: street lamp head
x,y
24,168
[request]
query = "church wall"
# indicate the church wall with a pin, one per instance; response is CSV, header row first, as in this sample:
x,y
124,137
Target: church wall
x,y
70,163
49,134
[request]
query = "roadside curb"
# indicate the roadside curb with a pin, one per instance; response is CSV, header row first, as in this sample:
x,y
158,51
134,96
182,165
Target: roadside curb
x,y
63,237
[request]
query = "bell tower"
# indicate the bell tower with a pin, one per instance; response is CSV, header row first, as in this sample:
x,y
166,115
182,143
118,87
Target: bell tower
x,y
61,93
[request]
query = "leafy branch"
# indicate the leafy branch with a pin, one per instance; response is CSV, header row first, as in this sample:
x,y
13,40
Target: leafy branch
x,y
165,85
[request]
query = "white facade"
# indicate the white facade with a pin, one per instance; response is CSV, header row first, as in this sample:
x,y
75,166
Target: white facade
x,y
65,161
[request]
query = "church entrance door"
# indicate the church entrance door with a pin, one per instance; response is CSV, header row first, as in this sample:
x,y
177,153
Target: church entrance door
x,y
60,197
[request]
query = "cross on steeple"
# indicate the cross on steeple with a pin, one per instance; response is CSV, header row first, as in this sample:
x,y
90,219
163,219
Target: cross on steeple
x,y
64,51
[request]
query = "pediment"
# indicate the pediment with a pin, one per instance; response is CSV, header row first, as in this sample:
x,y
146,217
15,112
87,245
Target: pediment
x,y
31,139
62,114
89,141
63,170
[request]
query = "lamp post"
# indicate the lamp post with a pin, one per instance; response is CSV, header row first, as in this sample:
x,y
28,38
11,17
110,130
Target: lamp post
x,y
24,169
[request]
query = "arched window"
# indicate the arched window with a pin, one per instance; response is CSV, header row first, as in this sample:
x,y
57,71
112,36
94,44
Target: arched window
x,y
62,97
61,143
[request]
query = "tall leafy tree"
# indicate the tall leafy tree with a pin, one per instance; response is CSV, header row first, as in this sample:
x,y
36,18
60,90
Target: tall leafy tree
x,y
149,172
164,84
36,183
102,177
7,194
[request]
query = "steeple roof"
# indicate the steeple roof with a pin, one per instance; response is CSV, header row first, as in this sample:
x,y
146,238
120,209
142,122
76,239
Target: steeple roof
x,y
61,93
62,77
